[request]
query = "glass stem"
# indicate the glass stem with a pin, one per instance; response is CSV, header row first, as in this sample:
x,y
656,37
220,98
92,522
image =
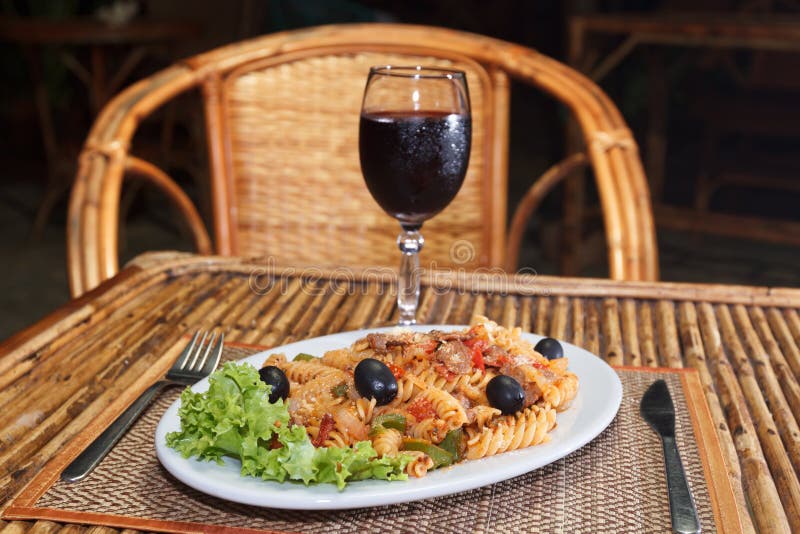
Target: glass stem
x,y
410,243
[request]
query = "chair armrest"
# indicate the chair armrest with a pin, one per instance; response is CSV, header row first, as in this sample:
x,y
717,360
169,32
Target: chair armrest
x,y
540,188
158,178
89,247
93,218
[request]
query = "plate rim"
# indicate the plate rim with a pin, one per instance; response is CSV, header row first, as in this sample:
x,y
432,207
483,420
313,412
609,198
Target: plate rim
x,y
401,492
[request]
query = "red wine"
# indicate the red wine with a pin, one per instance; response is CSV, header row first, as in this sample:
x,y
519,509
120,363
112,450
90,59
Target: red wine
x,y
414,162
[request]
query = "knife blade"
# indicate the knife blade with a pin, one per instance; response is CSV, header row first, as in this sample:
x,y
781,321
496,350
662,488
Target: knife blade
x,y
658,410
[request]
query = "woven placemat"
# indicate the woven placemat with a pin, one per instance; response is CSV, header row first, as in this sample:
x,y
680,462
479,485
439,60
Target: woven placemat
x,y
616,483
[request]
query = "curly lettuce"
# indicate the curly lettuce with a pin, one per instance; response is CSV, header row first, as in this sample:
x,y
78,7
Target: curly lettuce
x,y
235,418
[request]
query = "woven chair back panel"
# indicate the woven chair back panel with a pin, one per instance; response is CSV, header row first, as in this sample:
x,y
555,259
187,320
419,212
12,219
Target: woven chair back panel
x,y
299,195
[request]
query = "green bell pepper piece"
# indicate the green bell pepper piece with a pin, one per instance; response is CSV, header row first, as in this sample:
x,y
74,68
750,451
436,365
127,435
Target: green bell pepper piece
x,y
339,390
390,420
453,443
440,457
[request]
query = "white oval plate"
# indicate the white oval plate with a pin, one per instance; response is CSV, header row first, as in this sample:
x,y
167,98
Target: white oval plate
x,y
599,397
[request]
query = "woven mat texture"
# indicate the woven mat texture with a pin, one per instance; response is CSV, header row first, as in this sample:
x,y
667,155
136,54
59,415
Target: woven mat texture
x,y
616,483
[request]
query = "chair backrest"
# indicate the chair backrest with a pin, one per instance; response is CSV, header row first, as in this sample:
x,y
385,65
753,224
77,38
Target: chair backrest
x,y
282,124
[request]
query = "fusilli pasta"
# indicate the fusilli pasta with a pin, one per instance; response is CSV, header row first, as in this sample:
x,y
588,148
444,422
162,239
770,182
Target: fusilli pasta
x,y
441,409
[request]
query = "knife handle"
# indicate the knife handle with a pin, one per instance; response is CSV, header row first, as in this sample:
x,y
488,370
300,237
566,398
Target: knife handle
x,y
681,504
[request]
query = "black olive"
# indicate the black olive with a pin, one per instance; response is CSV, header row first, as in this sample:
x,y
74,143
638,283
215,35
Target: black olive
x,y
277,379
549,348
374,379
505,394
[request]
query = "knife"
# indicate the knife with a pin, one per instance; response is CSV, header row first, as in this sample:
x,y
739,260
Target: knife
x,y
657,409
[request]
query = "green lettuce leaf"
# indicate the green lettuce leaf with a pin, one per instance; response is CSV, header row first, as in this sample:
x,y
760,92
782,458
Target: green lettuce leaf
x,y
235,418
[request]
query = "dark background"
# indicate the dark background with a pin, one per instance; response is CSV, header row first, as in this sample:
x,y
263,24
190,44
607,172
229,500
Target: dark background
x,y
700,83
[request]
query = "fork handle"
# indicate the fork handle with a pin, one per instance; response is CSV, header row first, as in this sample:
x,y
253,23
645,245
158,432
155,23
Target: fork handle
x,y
97,450
681,504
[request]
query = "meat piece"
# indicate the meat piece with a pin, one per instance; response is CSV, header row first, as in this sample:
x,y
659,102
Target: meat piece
x,y
377,342
384,342
470,415
455,356
438,335
461,398
495,356
444,372
532,392
420,350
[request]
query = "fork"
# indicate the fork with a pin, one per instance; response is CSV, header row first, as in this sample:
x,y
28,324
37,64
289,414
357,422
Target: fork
x,y
198,360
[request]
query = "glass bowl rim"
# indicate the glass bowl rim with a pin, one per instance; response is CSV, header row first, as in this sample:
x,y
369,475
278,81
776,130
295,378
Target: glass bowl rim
x,y
417,72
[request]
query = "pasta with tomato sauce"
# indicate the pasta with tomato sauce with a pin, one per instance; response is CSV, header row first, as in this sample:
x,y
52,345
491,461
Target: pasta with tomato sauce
x,y
442,409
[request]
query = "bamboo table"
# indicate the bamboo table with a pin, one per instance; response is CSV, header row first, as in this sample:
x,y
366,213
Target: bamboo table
x,y
57,375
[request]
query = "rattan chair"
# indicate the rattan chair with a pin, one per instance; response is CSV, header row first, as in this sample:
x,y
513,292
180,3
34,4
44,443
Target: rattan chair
x,y
282,125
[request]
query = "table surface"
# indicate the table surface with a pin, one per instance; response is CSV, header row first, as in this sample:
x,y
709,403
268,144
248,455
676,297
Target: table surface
x,y
57,375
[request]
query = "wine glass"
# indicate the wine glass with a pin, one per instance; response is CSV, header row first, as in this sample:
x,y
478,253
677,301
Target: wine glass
x,y
414,142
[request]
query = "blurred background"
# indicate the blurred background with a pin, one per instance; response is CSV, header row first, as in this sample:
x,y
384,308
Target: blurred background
x,y
709,87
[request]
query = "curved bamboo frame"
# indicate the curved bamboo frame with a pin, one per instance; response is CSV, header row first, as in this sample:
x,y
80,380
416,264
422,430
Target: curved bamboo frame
x,y
530,202
624,195
158,178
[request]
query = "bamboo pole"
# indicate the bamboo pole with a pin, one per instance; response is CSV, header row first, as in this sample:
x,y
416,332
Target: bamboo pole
x,y
424,304
782,371
695,355
770,386
16,527
649,356
445,301
368,299
509,315
321,291
787,343
180,264
329,310
478,306
793,320
241,299
525,314
768,432
44,527
283,293
668,340
558,327
630,334
47,393
611,333
578,330
760,487
592,340
542,316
